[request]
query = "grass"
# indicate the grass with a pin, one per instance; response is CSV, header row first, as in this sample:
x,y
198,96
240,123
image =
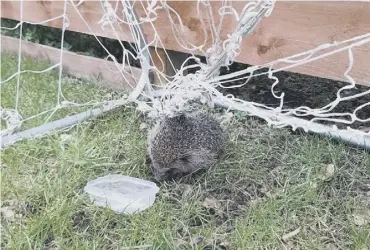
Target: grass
x,y
269,182
38,92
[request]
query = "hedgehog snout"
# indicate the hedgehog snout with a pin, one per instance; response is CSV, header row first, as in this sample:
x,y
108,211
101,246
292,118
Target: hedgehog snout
x,y
160,174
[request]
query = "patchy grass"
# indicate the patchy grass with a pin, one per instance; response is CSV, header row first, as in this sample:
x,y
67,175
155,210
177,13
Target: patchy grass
x,y
269,183
38,92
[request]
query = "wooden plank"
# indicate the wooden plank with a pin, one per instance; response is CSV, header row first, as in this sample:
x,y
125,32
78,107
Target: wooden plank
x,y
76,65
293,27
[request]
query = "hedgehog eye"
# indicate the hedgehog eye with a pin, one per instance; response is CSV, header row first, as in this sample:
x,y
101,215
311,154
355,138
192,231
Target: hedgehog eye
x,y
184,159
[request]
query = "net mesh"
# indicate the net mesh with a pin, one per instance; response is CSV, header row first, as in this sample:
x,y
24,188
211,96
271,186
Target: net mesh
x,y
205,76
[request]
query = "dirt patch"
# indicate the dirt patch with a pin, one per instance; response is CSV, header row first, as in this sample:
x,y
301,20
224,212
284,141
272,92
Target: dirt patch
x,y
300,90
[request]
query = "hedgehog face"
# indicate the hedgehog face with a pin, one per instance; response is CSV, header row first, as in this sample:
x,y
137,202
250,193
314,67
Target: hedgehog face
x,y
161,174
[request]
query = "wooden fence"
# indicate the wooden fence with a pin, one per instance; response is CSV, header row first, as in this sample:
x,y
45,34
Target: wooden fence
x,y
293,27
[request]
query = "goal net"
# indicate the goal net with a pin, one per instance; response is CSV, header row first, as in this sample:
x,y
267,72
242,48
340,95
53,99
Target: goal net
x,y
38,98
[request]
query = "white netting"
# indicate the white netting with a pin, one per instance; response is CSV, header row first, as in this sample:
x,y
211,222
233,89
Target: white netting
x,y
204,84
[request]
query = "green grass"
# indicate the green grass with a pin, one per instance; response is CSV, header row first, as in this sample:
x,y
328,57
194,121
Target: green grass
x,y
38,92
269,183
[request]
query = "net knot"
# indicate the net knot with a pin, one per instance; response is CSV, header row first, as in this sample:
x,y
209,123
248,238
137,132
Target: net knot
x,y
13,121
110,15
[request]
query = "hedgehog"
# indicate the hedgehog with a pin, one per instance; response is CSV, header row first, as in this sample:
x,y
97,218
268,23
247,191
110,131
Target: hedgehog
x,y
184,144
